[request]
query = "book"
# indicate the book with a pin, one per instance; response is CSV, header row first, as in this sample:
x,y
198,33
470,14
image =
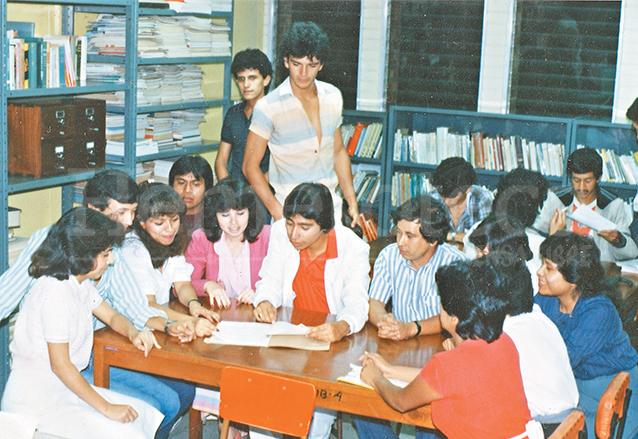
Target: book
x,y
354,139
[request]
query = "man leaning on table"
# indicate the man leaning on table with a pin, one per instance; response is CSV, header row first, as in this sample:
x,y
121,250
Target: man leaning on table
x,y
404,272
317,265
585,167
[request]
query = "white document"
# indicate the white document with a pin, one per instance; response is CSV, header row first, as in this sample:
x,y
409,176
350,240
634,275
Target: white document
x,y
252,333
354,377
630,266
590,218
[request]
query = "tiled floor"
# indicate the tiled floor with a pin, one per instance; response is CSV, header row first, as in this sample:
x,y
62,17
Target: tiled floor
x,y
211,431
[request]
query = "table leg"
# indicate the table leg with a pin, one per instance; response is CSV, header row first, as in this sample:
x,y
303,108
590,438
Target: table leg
x,y
101,373
195,430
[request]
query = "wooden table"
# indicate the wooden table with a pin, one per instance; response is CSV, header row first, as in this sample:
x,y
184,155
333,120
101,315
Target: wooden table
x,y
202,363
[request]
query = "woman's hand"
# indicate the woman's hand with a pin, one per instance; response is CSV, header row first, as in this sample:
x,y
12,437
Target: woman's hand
x,y
120,412
184,330
217,294
370,371
265,312
204,328
246,296
144,341
197,310
384,367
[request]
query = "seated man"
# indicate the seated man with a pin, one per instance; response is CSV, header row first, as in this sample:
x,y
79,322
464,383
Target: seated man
x,y
191,176
316,265
404,272
114,194
585,167
454,180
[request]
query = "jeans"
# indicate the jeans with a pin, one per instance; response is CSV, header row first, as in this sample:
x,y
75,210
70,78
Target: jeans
x,y
371,428
171,397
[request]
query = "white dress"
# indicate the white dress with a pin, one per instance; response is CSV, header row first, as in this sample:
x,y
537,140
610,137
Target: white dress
x,y
61,312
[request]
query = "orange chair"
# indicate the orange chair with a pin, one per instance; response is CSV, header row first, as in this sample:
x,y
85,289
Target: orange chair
x,y
265,401
572,427
612,407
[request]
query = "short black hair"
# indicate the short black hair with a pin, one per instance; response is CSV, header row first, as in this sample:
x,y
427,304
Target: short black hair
x,y
156,200
584,161
305,39
471,290
452,176
73,242
232,193
577,259
502,233
515,282
431,214
312,201
108,185
194,164
632,111
251,59
520,194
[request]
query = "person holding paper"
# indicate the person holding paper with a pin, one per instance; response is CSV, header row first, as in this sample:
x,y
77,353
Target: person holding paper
x,y
585,167
315,264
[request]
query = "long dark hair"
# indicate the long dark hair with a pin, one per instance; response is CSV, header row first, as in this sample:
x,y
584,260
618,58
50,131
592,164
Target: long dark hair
x,y
158,200
73,243
232,193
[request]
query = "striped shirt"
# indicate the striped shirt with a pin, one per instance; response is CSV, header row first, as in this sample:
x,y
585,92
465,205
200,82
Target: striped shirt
x,y
121,293
478,206
414,293
295,153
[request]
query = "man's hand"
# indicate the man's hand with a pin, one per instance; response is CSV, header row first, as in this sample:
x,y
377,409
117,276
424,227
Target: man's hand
x,y
393,329
558,222
610,235
144,341
197,310
185,330
376,359
330,332
265,312
120,412
353,211
204,328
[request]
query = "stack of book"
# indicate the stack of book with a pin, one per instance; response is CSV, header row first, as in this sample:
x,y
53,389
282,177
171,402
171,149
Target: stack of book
x,y
160,130
363,140
499,153
367,184
205,38
186,126
368,223
161,169
617,168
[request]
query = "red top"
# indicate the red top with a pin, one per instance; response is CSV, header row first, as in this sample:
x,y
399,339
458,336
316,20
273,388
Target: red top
x,y
577,228
481,388
309,284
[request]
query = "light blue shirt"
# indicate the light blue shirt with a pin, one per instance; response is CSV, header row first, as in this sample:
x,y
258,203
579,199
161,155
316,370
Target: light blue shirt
x,y
414,293
121,292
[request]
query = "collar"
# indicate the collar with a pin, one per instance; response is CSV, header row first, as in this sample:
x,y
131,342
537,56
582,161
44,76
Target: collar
x,y
286,89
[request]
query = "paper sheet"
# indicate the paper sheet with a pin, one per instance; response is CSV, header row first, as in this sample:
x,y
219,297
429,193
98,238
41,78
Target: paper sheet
x,y
251,333
591,219
354,377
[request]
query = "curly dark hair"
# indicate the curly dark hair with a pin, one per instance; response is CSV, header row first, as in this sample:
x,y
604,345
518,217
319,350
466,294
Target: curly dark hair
x,y
73,243
108,185
232,193
251,59
433,217
305,39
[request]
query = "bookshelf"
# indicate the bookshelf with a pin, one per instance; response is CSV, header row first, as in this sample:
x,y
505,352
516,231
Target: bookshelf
x,y
446,133
131,11
620,140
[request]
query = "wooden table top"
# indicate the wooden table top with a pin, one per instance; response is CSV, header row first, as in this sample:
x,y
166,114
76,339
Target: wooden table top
x,y
201,363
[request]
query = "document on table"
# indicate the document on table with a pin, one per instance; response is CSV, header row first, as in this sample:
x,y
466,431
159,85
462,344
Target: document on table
x,y
630,266
278,334
354,377
591,219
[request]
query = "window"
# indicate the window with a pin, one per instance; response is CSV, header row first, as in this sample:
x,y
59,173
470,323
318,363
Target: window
x,y
564,60
340,20
435,53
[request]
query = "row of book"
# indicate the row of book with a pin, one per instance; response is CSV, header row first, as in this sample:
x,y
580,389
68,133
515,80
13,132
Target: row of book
x,y
190,6
160,37
362,139
621,169
367,184
407,185
49,61
498,153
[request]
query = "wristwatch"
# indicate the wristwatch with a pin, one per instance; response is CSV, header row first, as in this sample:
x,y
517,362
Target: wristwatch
x,y
168,323
453,236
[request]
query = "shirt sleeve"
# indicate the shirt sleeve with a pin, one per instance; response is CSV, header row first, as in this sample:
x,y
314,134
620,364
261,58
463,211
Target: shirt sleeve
x,y
55,313
271,284
197,256
227,135
381,287
261,124
136,261
16,282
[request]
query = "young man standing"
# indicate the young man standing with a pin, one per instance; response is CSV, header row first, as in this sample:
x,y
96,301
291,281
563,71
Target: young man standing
x,y
252,71
317,265
300,123
191,176
113,193
585,167
404,272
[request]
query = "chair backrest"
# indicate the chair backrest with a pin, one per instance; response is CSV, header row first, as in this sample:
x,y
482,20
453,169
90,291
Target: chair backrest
x,y
571,427
610,415
266,401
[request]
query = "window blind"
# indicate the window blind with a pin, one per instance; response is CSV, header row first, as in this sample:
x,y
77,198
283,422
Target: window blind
x,y
564,60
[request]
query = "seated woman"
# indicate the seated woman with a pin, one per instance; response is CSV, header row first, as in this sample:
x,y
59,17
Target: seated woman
x,y
571,294
226,254
154,253
54,337
475,386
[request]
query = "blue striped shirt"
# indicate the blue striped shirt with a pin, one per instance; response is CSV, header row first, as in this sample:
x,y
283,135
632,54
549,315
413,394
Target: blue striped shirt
x,y
414,293
121,292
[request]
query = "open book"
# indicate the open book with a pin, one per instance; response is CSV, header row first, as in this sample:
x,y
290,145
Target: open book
x,y
354,377
279,334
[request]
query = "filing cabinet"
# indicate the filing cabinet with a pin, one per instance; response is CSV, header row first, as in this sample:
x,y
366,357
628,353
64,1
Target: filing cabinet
x,y
55,136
